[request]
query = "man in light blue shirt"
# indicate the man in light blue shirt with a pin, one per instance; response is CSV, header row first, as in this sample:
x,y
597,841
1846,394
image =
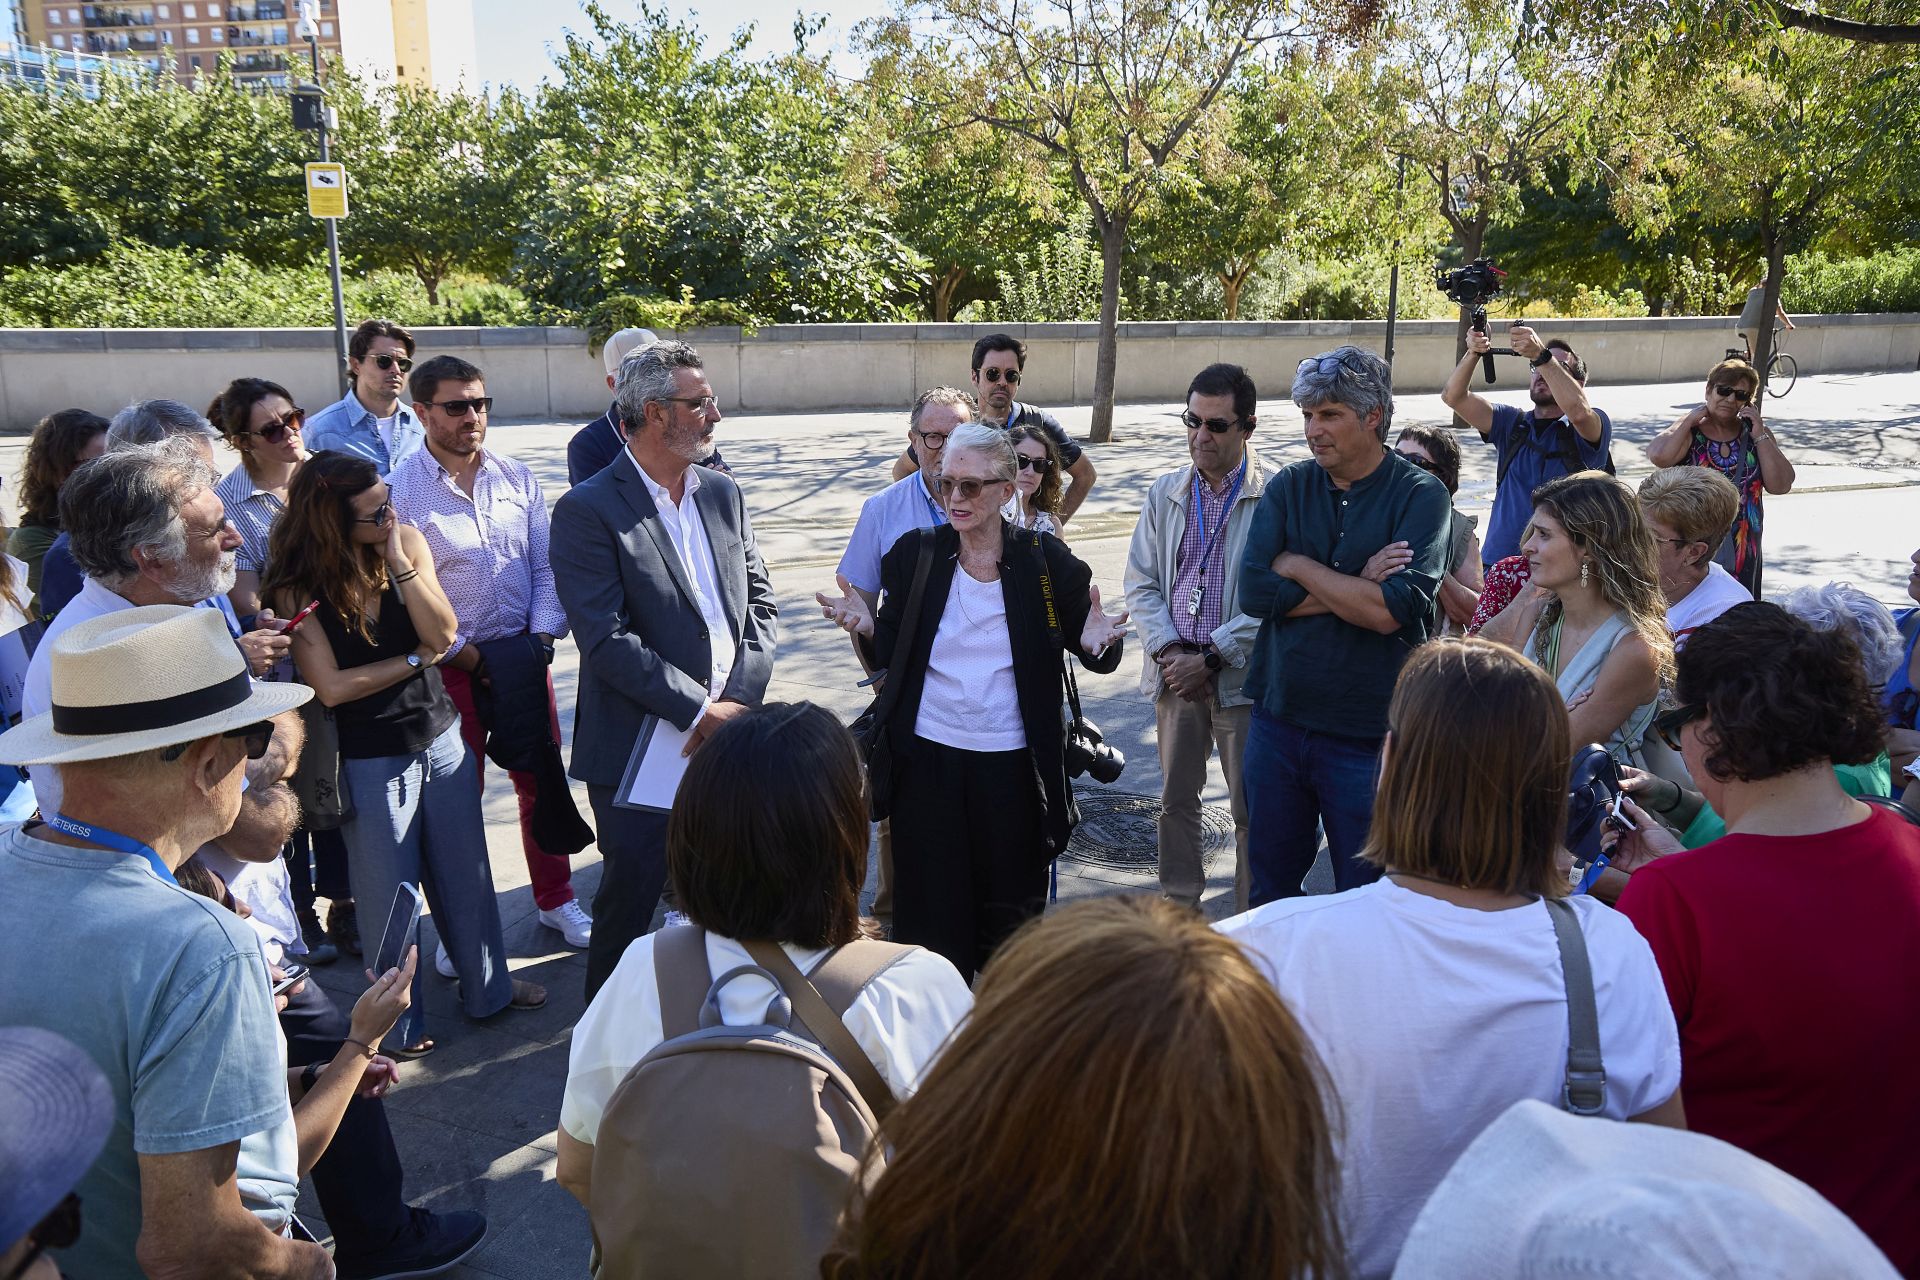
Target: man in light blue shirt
x,y
370,422
908,503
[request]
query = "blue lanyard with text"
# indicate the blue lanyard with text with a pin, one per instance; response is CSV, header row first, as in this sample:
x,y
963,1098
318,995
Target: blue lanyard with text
x,y
1207,540
111,840
933,508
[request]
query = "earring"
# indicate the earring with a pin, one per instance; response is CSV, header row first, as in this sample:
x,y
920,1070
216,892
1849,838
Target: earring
x,y
1586,566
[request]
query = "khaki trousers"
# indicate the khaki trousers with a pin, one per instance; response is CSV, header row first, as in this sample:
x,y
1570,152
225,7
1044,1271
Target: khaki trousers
x,y
1189,733
883,894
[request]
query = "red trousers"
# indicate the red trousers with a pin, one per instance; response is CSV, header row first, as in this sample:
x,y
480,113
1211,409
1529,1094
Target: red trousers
x,y
552,876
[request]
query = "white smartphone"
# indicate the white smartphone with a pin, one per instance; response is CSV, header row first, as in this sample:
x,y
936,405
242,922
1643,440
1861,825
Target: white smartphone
x,y
403,923
1617,813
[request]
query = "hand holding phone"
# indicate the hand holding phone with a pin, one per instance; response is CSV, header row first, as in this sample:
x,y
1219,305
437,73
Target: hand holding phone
x,y
293,623
403,920
290,972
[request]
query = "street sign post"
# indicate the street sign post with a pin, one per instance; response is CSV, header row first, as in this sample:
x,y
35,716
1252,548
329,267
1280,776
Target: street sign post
x,y
327,190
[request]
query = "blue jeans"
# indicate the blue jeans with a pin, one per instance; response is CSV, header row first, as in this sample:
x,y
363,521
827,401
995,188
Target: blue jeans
x,y
417,818
1297,781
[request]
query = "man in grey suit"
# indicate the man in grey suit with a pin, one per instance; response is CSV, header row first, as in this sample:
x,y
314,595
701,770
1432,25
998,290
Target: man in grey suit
x,y
655,564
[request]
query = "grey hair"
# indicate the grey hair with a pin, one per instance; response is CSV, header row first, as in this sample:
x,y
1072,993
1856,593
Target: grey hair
x,y
1841,606
1362,381
991,442
943,395
151,421
129,498
646,376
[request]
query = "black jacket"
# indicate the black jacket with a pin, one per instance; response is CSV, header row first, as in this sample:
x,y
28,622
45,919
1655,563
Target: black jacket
x,y
1036,661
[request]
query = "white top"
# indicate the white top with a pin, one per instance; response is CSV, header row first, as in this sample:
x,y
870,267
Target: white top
x,y
688,533
969,701
1433,1019
385,428
1718,592
901,1019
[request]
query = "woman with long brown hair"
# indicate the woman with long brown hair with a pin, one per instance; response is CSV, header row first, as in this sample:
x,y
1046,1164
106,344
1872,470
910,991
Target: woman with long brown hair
x,y
1035,503
1435,995
1128,1099
1592,613
61,442
369,651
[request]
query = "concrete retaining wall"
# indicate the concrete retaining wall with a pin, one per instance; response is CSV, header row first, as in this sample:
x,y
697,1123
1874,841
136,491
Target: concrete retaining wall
x,y
548,373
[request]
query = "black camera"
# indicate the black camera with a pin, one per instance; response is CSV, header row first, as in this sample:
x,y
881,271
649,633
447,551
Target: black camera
x,y
1473,285
1088,753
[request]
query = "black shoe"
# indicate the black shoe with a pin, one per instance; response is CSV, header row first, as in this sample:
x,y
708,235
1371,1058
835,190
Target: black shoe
x,y
434,1242
343,926
319,950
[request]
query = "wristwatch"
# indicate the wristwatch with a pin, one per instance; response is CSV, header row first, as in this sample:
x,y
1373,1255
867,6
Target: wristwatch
x,y
1545,355
1212,659
415,661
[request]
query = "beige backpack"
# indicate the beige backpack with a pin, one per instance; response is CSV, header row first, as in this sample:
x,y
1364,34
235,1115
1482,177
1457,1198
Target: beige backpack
x,y
728,1151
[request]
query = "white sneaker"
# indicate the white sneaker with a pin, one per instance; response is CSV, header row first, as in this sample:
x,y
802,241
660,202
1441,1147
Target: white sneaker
x,y
573,922
675,919
443,963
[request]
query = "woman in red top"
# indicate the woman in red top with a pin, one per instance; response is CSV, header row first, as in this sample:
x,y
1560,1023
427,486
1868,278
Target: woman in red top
x,y
1791,945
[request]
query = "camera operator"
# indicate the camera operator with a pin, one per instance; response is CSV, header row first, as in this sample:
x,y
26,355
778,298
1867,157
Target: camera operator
x,y
1562,433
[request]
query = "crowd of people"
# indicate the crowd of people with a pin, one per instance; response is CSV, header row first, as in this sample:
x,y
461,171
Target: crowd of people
x,y
240,695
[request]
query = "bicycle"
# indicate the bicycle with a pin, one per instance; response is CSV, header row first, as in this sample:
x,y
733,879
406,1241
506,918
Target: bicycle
x,y
1782,369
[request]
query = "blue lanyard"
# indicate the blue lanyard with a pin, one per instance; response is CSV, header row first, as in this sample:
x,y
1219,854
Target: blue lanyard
x,y
933,508
1207,540
111,840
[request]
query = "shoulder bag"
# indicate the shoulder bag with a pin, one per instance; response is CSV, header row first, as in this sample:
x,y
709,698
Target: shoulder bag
x,y
871,729
1585,1091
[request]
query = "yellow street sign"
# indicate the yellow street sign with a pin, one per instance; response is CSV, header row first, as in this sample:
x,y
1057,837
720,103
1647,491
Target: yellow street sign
x,y
327,190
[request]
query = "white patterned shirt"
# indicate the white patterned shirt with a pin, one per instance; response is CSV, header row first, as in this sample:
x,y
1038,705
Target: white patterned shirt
x,y
490,550
252,511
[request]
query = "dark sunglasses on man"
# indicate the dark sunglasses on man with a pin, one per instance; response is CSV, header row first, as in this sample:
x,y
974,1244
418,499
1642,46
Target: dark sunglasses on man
x,y
1012,376
1219,426
458,408
257,737
387,362
275,432
1741,394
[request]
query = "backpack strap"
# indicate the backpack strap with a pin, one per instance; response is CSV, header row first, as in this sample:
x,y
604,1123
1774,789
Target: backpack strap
x,y
845,973
680,971
823,1021
1585,1093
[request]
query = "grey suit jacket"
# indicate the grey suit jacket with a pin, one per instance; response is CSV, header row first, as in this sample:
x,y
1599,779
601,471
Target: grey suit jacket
x,y
643,642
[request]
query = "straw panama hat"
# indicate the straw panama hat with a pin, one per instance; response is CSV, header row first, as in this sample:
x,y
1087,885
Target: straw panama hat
x,y
142,679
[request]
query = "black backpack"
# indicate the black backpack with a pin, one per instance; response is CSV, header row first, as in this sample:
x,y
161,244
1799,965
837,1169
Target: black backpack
x,y
1566,449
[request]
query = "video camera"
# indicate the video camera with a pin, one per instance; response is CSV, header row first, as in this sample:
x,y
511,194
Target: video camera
x,y
1473,286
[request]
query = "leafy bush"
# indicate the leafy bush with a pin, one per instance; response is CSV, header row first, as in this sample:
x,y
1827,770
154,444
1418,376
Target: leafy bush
x,y
1887,281
1058,280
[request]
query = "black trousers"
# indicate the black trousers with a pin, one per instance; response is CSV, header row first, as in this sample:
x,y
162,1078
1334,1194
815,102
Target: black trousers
x,y
317,862
633,872
969,860
358,1177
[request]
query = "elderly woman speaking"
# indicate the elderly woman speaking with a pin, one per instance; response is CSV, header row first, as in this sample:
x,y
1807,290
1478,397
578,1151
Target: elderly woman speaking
x,y
978,791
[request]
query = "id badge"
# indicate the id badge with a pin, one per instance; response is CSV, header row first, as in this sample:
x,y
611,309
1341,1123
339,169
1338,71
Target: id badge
x,y
1193,601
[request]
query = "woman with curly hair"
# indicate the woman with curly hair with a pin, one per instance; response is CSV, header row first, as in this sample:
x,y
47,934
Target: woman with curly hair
x,y
1791,945
61,442
1592,613
1036,485
1129,1099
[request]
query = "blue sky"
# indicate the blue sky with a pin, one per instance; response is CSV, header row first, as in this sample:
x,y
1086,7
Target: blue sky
x,y
513,35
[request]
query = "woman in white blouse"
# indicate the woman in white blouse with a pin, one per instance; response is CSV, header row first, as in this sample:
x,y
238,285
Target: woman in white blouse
x,y
975,775
1436,995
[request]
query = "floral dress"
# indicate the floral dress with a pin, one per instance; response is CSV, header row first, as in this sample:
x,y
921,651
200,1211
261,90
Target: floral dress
x,y
1739,461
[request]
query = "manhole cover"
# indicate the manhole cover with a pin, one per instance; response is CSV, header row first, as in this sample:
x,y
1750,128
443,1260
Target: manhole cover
x,y
1119,829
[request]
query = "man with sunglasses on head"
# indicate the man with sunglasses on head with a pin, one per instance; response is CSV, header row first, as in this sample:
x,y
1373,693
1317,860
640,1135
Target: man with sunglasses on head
x,y
1183,591
1346,552
1561,434
1727,434
485,516
369,421
999,363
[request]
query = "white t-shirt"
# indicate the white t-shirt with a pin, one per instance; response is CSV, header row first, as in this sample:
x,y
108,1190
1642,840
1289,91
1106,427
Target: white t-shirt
x,y
1718,592
385,427
901,1019
969,700
1433,1019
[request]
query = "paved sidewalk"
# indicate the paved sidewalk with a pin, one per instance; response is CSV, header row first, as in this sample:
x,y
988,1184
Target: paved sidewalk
x,y
475,1120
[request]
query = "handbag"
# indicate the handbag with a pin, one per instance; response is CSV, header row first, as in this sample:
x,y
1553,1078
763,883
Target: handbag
x,y
1591,789
871,730
320,782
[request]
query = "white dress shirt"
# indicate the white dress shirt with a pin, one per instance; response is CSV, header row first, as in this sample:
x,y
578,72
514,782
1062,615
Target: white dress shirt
x,y
689,536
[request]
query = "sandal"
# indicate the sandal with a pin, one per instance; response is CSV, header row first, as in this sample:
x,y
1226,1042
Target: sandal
x,y
527,995
419,1049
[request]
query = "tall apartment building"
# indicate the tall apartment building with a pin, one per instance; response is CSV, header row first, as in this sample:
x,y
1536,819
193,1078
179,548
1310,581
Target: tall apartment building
x,y
422,42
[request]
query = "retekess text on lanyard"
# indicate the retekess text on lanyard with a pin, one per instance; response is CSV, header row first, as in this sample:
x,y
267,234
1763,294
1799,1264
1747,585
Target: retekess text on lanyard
x,y
111,840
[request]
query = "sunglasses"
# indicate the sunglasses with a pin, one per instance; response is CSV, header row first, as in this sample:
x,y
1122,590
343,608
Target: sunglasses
x,y
60,1229
1025,463
1011,376
1425,464
257,737
1738,393
379,516
1668,724
391,362
276,432
1219,426
1327,364
458,408
965,489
